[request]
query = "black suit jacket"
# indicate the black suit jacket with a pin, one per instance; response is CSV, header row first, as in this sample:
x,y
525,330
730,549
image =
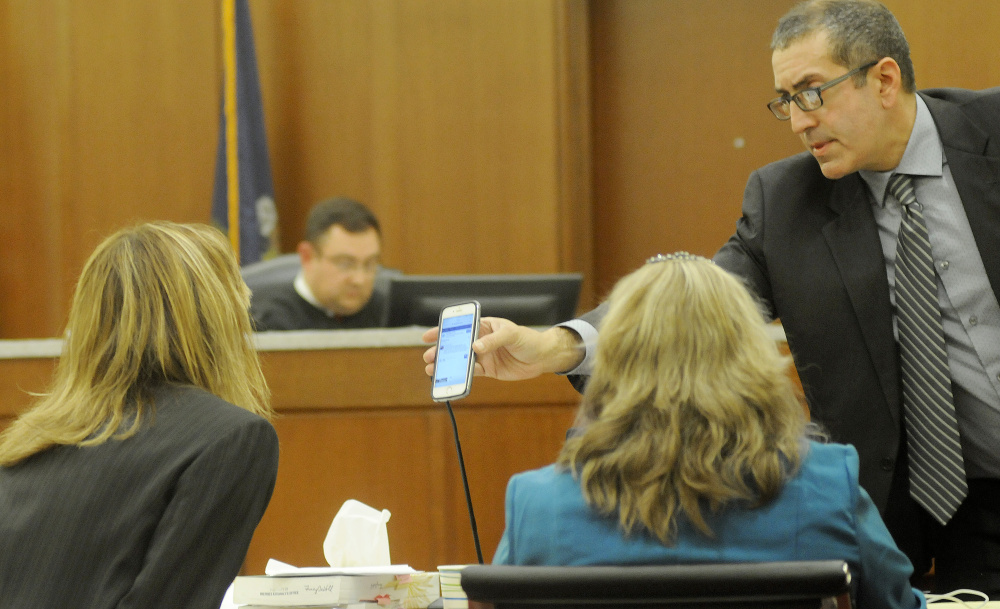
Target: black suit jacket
x,y
160,519
809,247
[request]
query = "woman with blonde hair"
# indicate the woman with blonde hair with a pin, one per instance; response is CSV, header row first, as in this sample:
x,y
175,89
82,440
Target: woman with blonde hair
x,y
138,479
692,446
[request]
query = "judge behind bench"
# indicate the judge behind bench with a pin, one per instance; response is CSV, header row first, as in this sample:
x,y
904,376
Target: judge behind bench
x,y
335,286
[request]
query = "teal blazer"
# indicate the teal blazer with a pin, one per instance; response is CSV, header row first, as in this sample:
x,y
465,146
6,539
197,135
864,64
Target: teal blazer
x,y
821,513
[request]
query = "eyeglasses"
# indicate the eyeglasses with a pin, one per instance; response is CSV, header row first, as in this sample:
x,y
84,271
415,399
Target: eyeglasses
x,y
809,99
346,264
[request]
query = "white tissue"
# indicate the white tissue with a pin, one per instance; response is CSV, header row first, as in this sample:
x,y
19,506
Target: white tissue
x,y
358,537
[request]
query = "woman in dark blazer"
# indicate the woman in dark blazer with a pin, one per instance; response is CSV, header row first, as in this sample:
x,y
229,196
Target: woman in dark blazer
x,y
138,479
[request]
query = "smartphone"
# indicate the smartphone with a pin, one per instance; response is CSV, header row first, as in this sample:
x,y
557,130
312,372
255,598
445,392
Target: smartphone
x,y
454,362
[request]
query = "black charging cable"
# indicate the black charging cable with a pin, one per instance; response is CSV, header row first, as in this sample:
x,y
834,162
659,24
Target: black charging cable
x,y
465,481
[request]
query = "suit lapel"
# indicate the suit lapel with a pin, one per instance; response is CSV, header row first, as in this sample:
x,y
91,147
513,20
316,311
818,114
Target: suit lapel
x,y
852,237
977,178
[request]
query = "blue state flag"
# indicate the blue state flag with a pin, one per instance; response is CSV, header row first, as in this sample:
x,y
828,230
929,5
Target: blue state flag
x,y
258,229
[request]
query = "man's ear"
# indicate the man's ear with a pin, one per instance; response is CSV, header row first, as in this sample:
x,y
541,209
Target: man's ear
x,y
307,253
890,80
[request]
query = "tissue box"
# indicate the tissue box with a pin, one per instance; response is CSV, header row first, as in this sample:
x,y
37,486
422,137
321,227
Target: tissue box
x,y
414,591
391,591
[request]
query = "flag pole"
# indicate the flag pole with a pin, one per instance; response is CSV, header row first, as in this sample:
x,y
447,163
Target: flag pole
x,y
229,93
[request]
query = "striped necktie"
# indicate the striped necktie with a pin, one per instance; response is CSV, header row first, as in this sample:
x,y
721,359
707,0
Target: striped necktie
x,y
937,470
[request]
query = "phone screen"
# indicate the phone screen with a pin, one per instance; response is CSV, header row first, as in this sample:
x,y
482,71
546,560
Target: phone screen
x,y
454,362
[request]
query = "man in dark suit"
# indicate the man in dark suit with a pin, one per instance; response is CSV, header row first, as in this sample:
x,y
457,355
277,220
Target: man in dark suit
x,y
817,243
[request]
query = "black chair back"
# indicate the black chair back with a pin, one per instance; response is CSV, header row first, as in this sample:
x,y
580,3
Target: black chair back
x,y
772,585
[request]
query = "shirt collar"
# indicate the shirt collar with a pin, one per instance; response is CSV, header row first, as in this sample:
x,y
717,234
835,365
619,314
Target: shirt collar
x,y
303,290
924,155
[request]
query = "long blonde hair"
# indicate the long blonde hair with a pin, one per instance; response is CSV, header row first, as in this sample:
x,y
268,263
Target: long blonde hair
x,y
156,303
690,406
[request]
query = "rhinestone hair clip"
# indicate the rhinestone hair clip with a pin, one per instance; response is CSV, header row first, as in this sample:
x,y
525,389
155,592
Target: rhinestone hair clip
x,y
676,256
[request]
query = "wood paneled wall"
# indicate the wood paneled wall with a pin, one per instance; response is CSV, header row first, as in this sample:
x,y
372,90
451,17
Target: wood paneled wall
x,y
108,118
466,125
463,124
679,123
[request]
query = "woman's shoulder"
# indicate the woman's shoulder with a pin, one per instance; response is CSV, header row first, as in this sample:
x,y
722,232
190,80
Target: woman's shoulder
x,y
830,451
195,401
191,412
544,492
546,479
541,475
830,460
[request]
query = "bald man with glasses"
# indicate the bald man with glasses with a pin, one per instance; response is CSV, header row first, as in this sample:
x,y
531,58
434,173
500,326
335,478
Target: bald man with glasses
x,y
817,243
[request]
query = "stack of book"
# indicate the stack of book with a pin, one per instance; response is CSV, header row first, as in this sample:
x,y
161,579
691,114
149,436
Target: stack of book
x,y
452,594
395,587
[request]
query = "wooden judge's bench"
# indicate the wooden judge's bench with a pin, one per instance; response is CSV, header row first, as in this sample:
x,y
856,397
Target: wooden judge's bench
x,y
355,421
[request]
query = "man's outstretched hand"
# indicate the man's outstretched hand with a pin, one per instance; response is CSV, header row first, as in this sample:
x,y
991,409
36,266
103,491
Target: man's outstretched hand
x,y
509,352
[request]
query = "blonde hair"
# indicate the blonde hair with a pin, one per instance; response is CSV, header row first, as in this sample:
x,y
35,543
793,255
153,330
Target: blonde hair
x,y
690,406
156,303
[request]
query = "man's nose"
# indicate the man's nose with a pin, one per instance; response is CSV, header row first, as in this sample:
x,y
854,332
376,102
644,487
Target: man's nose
x,y
800,119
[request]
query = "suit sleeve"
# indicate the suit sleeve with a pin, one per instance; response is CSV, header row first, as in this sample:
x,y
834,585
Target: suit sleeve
x,y
743,254
201,541
586,326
